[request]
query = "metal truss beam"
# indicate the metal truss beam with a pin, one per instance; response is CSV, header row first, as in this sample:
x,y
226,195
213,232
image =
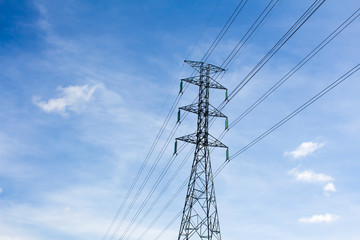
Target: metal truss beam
x,y
212,141
194,108
198,66
196,81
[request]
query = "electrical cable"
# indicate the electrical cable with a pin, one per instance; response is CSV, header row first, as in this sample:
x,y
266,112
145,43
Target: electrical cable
x,y
300,25
225,28
312,9
276,126
151,192
154,143
144,181
296,26
203,30
335,33
267,10
299,65
157,138
293,114
208,53
156,200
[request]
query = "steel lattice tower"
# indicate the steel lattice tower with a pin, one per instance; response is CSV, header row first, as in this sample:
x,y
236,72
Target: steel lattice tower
x,y
200,216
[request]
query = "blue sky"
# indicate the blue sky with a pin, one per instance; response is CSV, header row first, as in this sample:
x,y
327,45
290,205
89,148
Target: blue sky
x,y
86,85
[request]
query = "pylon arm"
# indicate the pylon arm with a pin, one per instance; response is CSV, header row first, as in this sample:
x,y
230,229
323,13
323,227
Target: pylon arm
x,y
213,112
196,81
198,65
212,141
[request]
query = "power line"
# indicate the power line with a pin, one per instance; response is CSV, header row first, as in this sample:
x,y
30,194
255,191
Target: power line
x,y
153,144
161,176
327,40
284,120
294,28
168,226
156,200
157,138
301,108
307,58
314,7
254,27
207,54
225,28
293,114
145,180
203,30
233,20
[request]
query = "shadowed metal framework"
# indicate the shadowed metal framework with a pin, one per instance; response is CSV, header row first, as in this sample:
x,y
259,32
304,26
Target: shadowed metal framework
x,y
200,217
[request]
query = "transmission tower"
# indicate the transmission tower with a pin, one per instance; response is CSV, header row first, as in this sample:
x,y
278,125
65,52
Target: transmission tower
x,y
200,217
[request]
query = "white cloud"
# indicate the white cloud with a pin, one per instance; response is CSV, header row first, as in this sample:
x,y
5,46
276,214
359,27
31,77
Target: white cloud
x,y
330,187
309,176
77,211
1,190
326,218
3,237
71,98
305,149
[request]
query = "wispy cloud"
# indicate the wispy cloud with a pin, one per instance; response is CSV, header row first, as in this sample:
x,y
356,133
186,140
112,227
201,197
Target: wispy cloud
x,y
12,149
1,190
309,176
70,211
325,218
11,232
71,98
304,149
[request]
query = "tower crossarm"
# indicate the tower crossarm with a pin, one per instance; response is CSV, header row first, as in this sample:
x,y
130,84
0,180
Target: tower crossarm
x,y
194,108
196,81
212,141
201,65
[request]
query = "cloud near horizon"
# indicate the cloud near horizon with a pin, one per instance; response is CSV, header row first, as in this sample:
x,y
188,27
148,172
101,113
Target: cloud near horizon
x,y
304,149
325,218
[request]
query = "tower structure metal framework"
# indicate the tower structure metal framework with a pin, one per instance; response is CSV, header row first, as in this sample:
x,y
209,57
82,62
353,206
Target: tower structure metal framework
x,y
200,218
